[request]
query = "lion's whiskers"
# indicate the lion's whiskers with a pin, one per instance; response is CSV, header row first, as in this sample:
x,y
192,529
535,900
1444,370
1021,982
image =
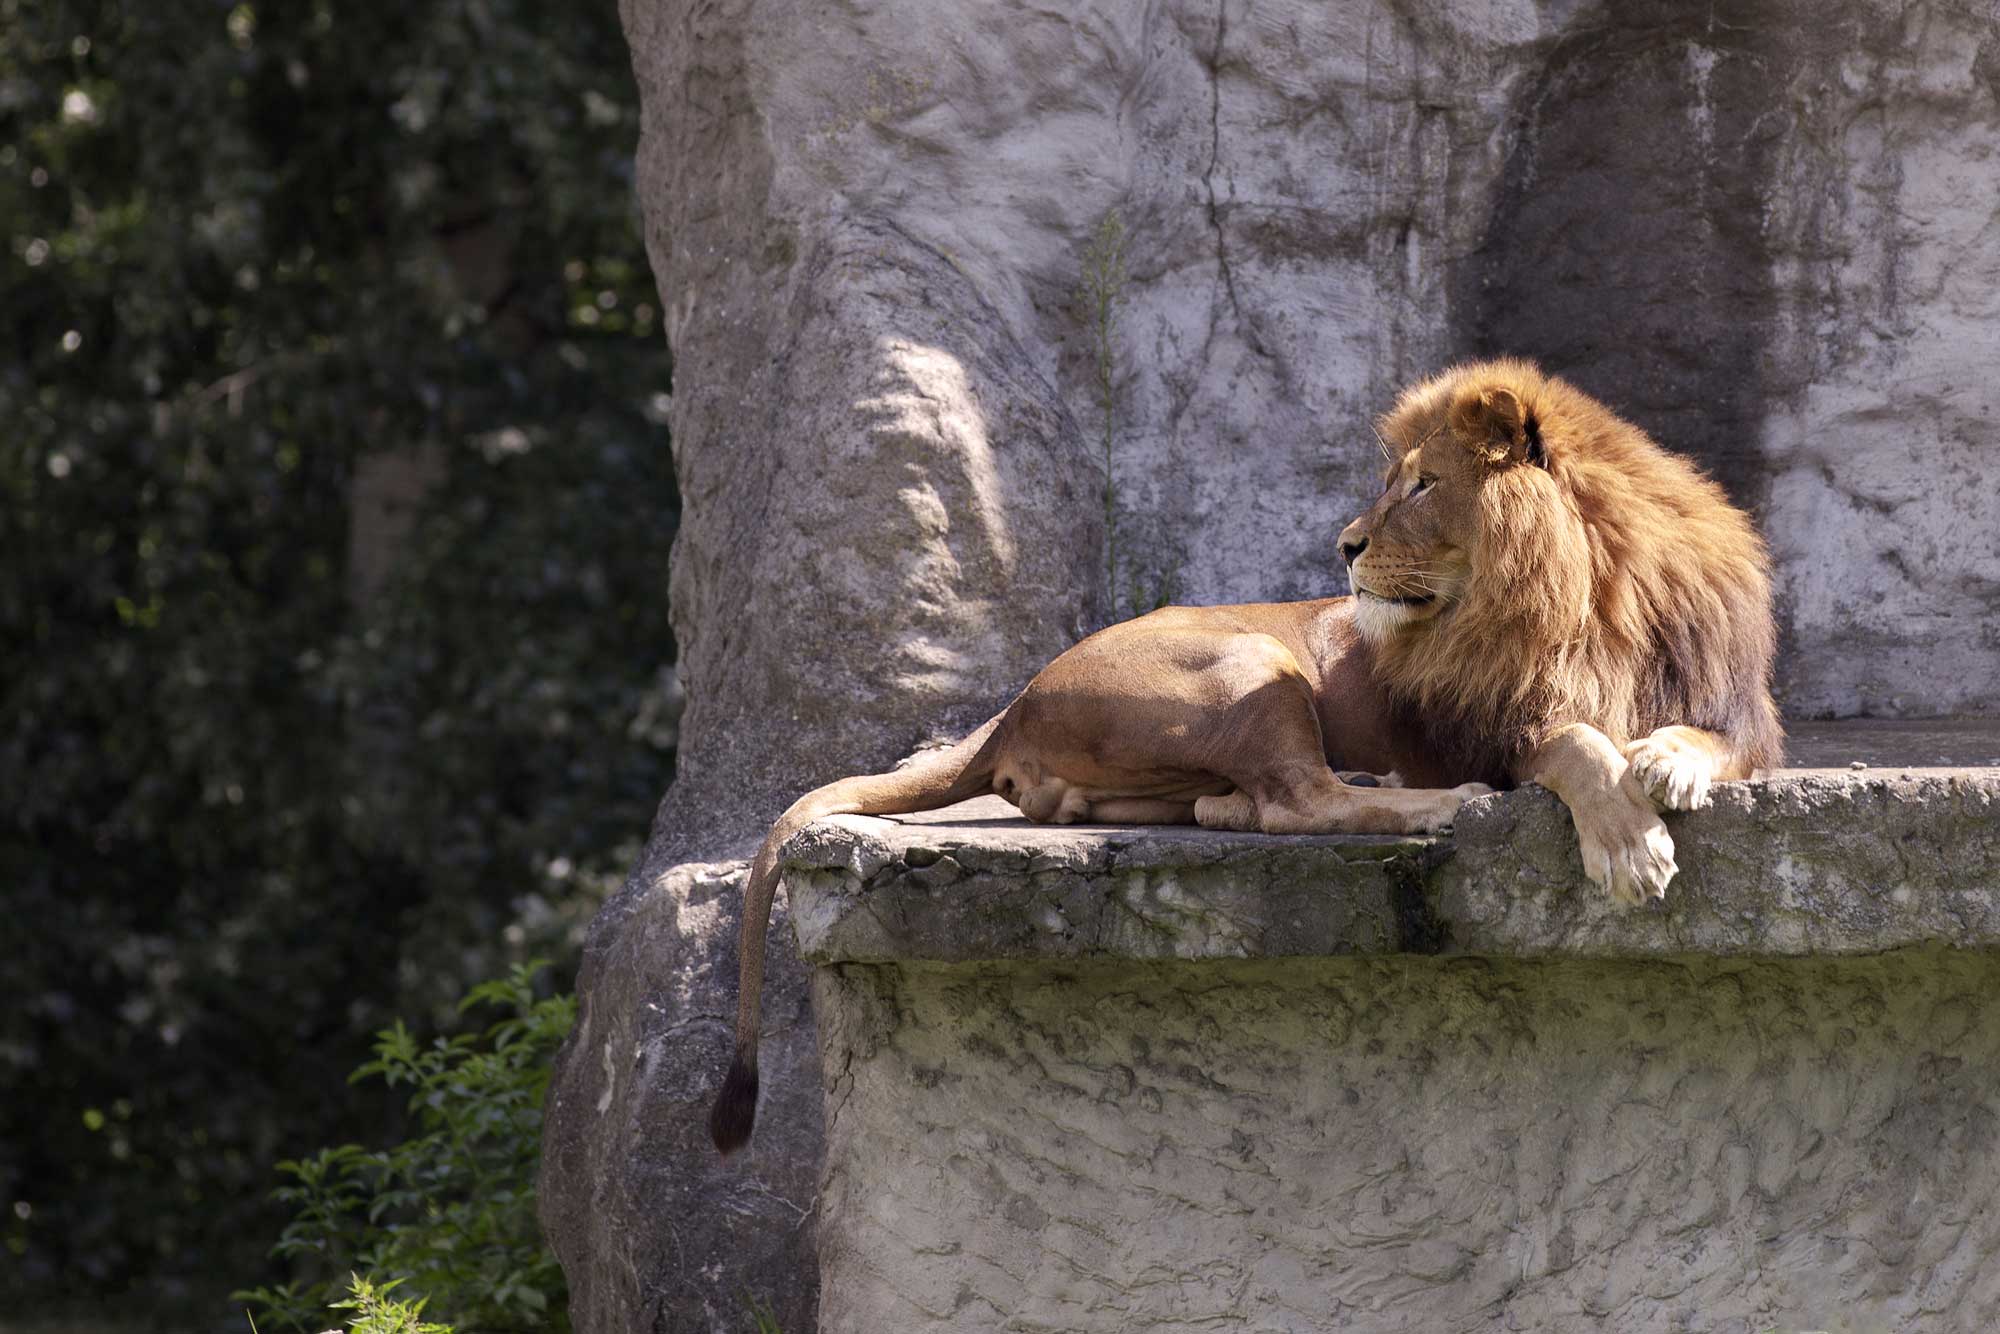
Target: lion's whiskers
x,y
1425,577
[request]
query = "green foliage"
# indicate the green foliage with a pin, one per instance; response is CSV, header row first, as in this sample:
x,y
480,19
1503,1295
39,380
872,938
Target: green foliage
x,y
764,1320
376,1312
451,1210
279,760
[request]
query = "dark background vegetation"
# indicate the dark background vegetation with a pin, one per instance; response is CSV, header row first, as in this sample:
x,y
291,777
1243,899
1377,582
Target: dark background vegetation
x,y
333,645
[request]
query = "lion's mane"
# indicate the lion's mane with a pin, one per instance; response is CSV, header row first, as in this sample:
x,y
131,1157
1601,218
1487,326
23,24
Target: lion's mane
x,y
1613,584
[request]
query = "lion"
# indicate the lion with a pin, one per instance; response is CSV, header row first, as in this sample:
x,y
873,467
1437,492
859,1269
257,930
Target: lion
x,y
1540,594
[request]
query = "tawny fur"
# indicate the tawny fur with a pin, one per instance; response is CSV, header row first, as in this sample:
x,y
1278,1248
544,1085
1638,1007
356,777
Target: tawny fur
x,y
1542,594
1617,586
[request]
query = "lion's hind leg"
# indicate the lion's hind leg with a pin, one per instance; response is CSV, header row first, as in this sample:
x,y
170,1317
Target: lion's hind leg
x,y
1055,801
1283,784
1230,810
1309,802
1141,810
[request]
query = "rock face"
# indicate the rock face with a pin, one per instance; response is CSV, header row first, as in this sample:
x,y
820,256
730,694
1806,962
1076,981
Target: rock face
x,y
1108,1079
1409,1144
1802,863
1740,224
1763,231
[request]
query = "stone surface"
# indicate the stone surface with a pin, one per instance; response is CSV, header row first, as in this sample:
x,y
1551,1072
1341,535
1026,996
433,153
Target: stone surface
x,y
1413,1144
656,1231
1750,226
1762,229
870,889
1759,228
887,528
1113,1078
1806,862
1887,742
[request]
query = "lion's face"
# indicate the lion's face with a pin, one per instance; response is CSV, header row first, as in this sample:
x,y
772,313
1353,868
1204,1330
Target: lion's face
x,y
1411,557
1535,560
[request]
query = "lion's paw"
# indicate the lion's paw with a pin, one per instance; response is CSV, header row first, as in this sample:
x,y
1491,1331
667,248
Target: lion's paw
x,y
1232,810
1450,799
1627,852
1673,773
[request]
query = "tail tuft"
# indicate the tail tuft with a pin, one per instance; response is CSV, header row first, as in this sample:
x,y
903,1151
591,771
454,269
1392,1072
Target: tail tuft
x,y
735,1111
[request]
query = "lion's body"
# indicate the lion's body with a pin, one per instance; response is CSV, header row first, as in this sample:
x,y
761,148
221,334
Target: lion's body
x,y
1542,594
1207,698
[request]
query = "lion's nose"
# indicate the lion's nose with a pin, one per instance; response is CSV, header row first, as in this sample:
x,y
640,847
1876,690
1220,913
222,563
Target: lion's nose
x,y
1352,550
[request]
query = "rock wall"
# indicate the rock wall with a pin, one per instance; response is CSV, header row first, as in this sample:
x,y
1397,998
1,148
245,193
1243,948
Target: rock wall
x,y
1108,1078
1766,231
1407,1144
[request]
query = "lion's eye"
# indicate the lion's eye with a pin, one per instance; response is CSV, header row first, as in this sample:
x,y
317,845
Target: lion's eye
x,y
1423,484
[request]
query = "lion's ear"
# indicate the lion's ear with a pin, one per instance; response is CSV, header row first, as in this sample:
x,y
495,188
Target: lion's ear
x,y
1499,427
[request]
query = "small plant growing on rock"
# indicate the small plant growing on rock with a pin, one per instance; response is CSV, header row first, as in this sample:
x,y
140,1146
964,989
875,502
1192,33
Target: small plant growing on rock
x,y
764,1320
449,1212
374,1311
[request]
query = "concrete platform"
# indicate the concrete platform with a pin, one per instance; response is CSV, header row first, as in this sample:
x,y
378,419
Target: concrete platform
x,y
1889,853
1121,1078
1888,743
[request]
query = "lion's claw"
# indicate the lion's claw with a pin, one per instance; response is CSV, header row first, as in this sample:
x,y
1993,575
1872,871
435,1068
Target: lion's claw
x,y
1672,774
1458,796
1627,852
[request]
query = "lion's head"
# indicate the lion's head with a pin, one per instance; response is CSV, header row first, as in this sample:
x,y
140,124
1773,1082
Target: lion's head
x,y
1534,560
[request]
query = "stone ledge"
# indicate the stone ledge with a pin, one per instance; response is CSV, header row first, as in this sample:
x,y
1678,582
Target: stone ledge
x,y
1802,862
1265,1101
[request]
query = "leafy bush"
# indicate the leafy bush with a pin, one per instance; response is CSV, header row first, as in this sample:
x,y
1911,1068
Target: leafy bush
x,y
376,1312
450,1211
282,755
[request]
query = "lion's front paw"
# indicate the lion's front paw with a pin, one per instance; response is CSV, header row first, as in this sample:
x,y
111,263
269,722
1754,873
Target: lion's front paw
x,y
1627,852
1672,772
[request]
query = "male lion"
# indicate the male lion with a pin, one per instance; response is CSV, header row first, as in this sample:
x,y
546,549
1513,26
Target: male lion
x,y
1541,594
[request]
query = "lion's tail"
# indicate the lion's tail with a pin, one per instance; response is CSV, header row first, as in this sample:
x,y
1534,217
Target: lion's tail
x,y
927,782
